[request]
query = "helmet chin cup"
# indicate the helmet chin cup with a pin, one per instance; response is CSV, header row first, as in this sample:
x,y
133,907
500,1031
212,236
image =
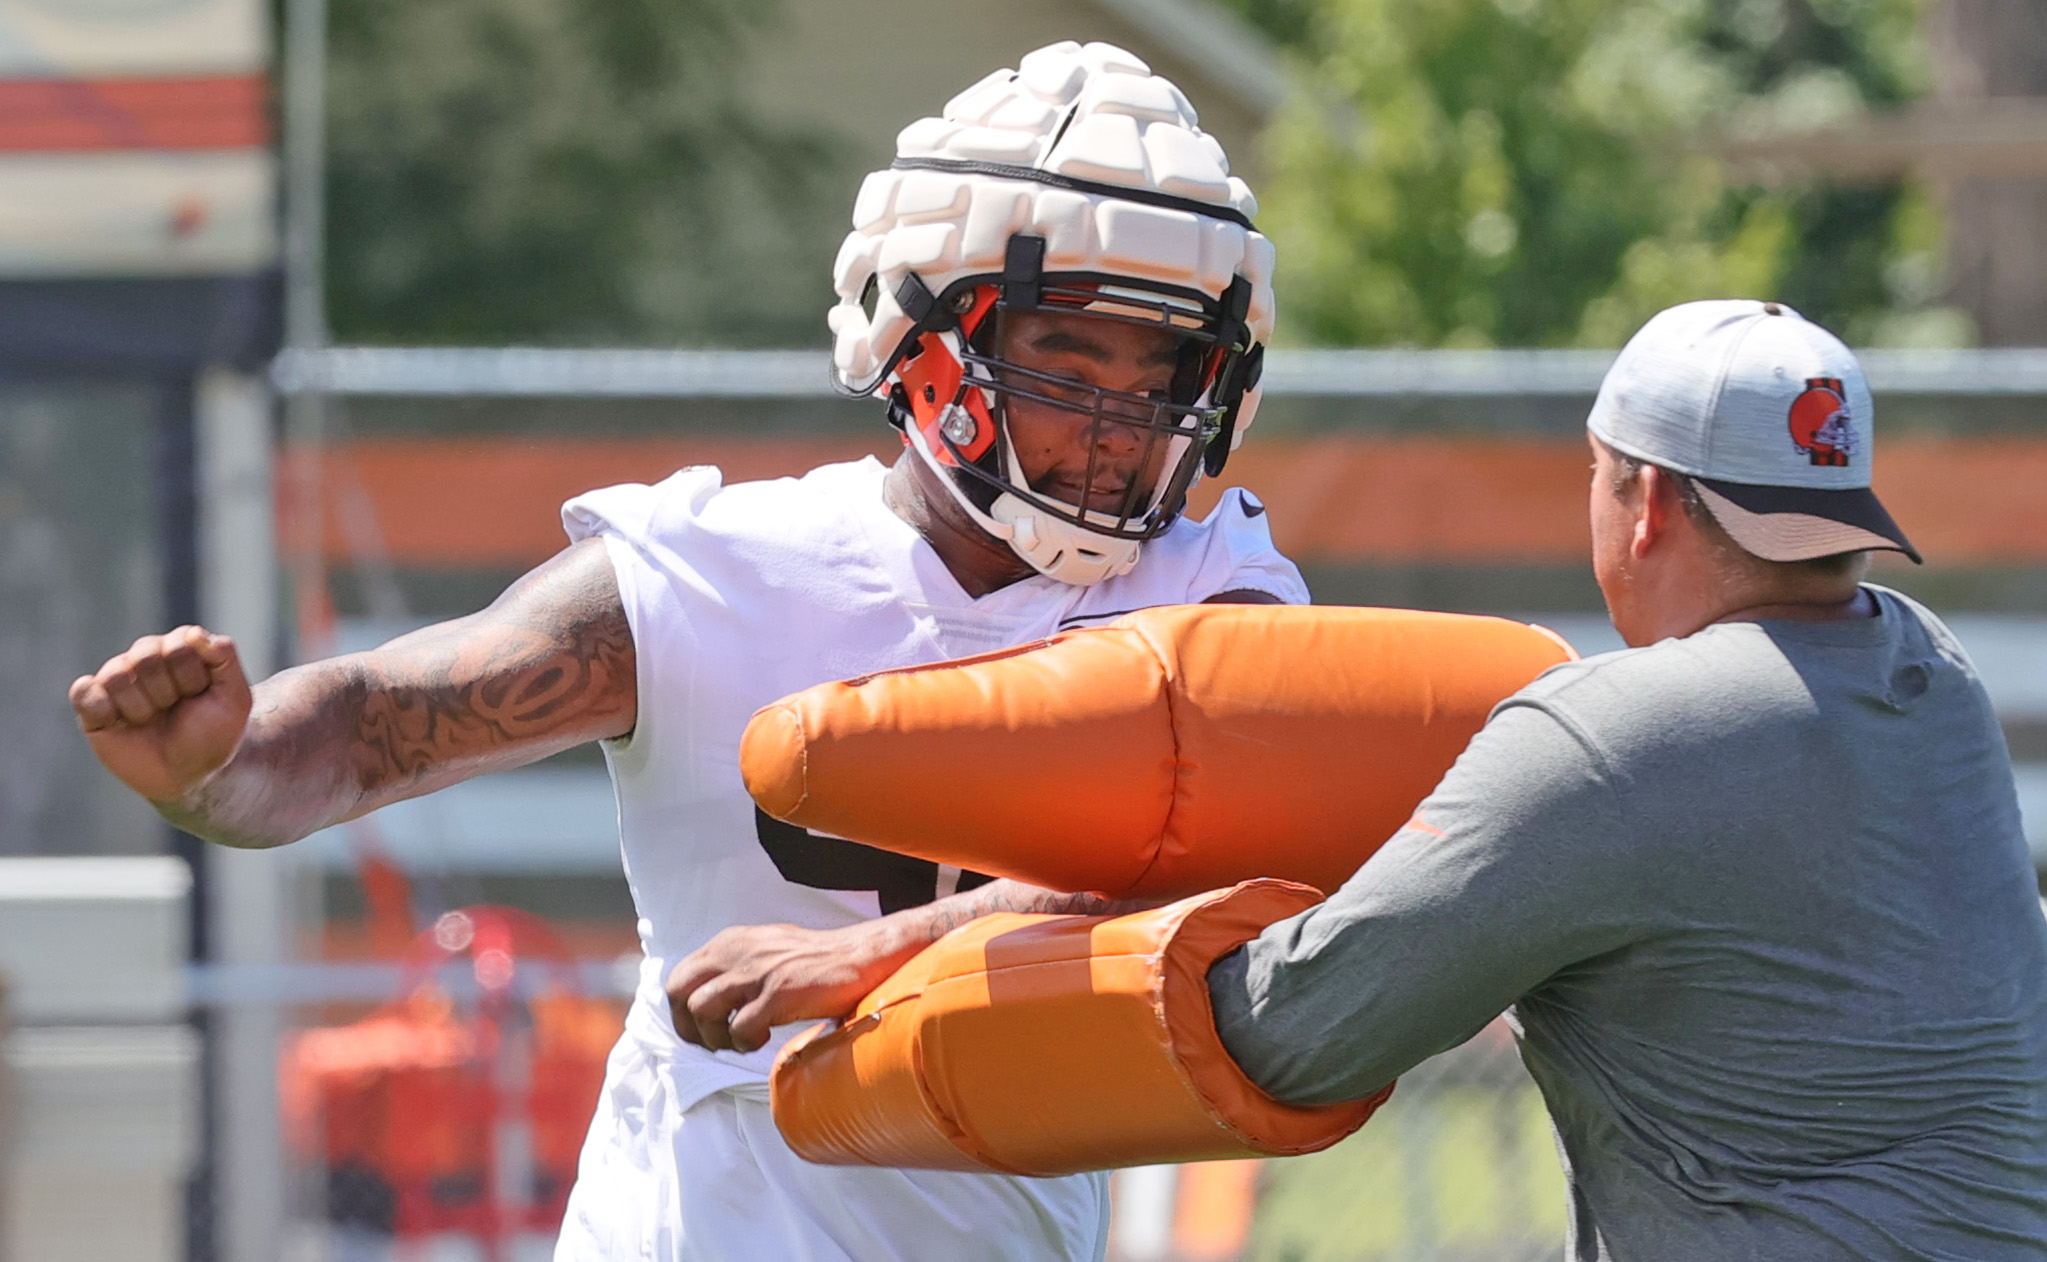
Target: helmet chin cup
x,y
1060,549
1054,547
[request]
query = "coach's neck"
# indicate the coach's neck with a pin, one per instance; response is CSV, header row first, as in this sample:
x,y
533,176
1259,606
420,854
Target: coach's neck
x,y
1665,573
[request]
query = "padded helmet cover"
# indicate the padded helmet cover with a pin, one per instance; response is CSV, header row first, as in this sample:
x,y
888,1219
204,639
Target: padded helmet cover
x,y
1083,150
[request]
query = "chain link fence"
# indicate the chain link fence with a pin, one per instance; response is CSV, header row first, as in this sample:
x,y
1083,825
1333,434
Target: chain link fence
x,y
1459,1166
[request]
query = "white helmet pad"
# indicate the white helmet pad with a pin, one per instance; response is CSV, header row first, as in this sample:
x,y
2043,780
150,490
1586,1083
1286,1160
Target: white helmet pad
x,y
1015,153
1127,210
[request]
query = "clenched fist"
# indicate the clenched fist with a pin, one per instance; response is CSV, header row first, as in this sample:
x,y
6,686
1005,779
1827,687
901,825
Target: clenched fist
x,y
726,994
167,713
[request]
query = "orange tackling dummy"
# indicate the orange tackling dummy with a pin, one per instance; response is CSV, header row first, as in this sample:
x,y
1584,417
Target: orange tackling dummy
x,y
948,1064
1177,751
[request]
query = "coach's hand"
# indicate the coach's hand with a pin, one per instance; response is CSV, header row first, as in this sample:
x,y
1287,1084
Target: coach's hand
x,y
167,713
728,993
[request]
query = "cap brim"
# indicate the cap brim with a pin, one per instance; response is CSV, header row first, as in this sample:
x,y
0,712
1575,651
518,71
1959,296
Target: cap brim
x,y
1793,523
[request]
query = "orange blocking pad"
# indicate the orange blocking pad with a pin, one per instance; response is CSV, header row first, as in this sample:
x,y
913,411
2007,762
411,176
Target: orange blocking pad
x,y
1179,749
1046,1045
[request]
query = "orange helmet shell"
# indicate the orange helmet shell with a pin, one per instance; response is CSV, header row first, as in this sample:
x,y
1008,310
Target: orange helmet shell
x,y
931,383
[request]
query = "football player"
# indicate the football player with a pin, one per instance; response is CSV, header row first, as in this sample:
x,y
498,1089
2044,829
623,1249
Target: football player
x,y
1057,293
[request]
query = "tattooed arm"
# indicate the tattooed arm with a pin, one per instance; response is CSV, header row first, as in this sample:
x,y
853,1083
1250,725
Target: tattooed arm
x,y
549,665
730,991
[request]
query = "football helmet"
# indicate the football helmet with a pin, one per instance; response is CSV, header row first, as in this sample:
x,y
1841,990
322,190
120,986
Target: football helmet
x,y
1081,183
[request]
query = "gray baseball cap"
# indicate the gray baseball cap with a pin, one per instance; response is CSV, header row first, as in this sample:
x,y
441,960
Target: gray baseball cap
x,y
1767,412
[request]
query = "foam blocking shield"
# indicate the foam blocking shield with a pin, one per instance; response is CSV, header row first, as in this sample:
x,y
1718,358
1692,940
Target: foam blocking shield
x,y
1180,749
1046,1045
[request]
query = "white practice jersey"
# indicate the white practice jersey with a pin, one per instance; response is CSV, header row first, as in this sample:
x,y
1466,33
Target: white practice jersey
x,y
738,596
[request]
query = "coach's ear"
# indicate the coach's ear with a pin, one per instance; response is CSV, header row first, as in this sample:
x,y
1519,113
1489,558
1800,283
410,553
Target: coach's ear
x,y
1659,505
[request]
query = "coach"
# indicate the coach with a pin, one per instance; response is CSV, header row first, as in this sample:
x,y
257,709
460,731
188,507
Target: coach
x,y
1752,891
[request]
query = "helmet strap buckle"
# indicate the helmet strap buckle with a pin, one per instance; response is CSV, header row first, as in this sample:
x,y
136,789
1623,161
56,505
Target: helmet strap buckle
x,y
1023,271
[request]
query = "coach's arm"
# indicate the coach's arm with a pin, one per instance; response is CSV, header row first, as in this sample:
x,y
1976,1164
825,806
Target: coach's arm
x,y
548,666
1523,862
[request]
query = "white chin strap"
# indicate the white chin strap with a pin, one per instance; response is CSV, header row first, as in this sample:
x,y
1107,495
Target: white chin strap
x,y
1056,547
1052,546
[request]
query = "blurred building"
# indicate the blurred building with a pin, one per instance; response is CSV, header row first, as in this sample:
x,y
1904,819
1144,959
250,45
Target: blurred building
x,y
1991,84
138,282
99,1071
137,251
1980,139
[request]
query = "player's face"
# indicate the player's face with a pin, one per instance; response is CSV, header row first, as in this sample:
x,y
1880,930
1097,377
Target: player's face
x,y
1054,444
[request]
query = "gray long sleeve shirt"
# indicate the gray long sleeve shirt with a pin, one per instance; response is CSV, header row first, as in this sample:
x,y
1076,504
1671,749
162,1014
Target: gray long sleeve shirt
x,y
1760,904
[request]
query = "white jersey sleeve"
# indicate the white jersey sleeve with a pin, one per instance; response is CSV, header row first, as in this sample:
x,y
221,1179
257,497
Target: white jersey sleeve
x,y
647,530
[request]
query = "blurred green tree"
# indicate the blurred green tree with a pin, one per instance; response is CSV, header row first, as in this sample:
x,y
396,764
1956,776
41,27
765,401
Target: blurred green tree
x,y
1541,172
564,171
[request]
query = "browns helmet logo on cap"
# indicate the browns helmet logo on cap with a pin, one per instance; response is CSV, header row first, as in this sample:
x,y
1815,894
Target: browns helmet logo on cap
x,y
1820,423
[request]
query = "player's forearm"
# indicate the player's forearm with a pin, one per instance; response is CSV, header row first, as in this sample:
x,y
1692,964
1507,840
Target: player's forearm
x,y
547,667
333,740
337,739
292,772
905,933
